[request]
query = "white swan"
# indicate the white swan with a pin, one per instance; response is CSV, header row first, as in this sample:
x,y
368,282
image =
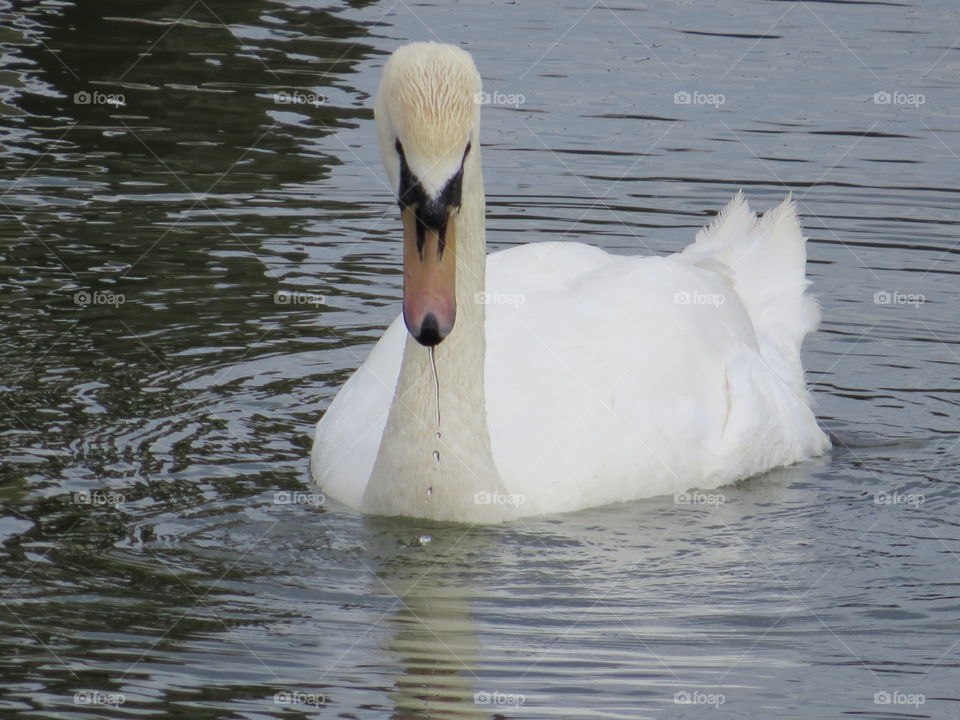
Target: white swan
x,y
568,377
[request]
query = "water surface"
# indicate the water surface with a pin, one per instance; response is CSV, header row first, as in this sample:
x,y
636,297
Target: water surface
x,y
191,271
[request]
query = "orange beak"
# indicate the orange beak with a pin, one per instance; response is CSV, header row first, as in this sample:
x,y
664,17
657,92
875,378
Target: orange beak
x,y
429,278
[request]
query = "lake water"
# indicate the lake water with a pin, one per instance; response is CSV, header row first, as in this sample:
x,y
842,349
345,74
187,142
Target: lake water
x,y
191,270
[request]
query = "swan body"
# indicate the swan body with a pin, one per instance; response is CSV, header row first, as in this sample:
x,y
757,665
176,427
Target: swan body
x,y
571,377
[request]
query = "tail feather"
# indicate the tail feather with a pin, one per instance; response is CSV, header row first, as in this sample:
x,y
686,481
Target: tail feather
x,y
766,260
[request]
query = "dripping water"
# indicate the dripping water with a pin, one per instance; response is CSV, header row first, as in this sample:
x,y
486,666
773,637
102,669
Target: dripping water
x,y
436,382
436,387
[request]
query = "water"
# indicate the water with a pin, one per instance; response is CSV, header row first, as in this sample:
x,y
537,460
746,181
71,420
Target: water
x,y
188,278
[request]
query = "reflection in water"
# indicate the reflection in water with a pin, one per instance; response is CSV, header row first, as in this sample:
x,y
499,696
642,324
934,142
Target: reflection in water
x,y
253,245
435,650
496,621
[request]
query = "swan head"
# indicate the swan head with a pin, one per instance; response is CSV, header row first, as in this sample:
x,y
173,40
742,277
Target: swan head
x,y
427,121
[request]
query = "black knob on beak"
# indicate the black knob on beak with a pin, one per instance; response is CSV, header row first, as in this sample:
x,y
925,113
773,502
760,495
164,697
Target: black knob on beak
x,y
433,215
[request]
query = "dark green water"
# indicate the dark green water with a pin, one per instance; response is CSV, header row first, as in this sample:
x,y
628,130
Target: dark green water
x,y
191,271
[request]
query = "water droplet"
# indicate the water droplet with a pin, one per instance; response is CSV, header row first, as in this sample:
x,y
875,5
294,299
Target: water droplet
x,y
429,491
436,456
437,436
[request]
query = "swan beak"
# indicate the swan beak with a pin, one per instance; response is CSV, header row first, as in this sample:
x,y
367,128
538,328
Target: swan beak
x,y
429,278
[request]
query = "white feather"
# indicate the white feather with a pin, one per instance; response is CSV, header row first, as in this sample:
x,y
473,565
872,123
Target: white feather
x,y
610,378
605,378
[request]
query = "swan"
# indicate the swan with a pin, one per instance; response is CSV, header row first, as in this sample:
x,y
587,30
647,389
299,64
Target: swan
x,y
554,376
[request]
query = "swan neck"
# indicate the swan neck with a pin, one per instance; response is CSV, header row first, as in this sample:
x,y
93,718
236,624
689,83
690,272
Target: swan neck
x,y
444,471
